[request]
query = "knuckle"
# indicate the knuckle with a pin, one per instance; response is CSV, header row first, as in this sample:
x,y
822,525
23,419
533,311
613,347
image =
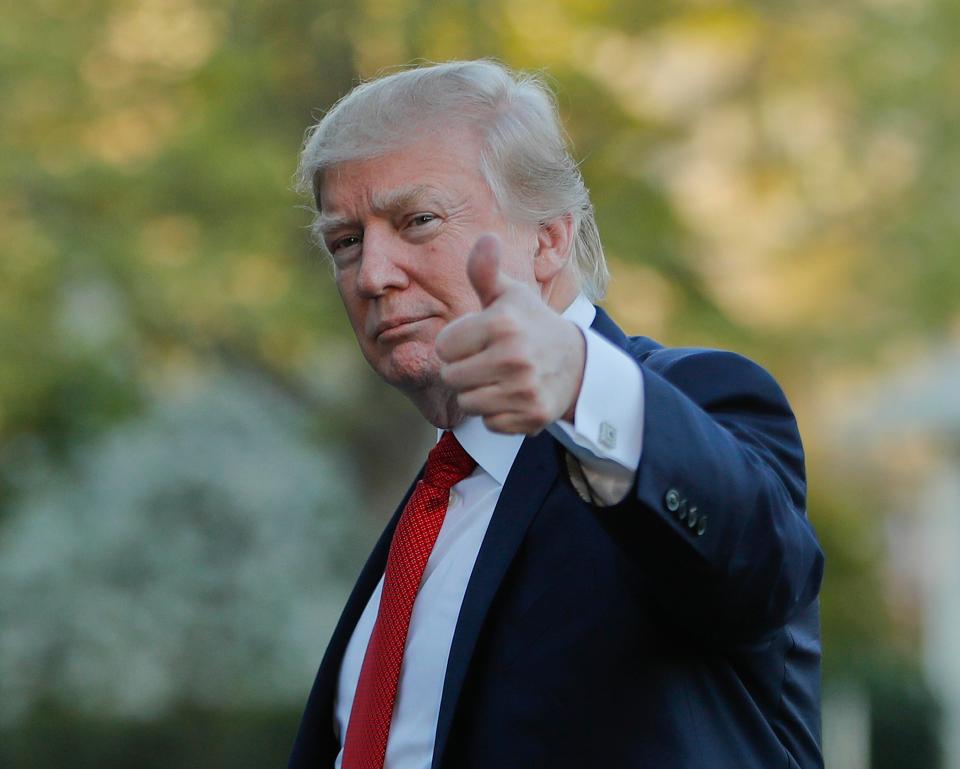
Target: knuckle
x,y
451,374
516,357
526,388
526,394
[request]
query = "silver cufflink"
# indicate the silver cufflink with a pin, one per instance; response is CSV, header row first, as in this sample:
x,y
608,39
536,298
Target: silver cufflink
x,y
608,435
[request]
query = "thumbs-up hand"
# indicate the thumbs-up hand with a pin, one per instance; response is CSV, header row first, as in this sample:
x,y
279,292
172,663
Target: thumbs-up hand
x,y
483,269
516,362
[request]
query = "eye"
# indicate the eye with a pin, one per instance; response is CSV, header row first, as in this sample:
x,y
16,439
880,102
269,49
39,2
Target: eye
x,y
345,242
418,220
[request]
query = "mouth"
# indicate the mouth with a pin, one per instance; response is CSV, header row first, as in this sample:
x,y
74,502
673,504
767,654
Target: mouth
x,y
397,327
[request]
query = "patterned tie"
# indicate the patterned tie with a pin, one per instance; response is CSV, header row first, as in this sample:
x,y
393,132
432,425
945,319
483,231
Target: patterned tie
x,y
416,533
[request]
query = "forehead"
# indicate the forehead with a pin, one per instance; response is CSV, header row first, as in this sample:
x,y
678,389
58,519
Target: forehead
x,y
447,164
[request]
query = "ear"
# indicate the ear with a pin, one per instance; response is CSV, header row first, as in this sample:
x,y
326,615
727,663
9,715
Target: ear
x,y
554,245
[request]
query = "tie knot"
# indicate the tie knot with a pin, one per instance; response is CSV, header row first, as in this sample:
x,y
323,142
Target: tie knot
x,y
448,463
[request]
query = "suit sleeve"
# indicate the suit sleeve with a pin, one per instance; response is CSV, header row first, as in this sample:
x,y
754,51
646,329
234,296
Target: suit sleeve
x,y
715,519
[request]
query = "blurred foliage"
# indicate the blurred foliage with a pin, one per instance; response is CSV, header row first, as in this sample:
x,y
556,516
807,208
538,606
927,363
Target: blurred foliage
x,y
906,717
781,179
209,535
184,738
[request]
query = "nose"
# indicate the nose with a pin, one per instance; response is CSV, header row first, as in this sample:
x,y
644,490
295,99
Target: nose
x,y
380,263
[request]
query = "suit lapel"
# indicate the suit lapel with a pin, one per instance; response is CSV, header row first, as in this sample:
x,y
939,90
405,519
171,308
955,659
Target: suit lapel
x,y
604,325
637,347
533,473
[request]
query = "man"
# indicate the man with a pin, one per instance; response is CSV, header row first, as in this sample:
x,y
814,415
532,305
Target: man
x,y
606,560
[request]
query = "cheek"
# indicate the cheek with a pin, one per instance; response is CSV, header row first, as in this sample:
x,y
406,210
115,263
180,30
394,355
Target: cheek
x,y
354,307
453,288
518,259
443,271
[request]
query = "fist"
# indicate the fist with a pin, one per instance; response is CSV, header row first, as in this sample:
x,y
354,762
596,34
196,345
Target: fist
x,y
516,362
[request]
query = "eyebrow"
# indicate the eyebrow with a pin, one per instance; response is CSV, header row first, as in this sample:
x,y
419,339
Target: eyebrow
x,y
382,203
394,200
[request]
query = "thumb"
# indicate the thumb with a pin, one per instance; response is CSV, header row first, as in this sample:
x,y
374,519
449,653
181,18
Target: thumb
x,y
483,269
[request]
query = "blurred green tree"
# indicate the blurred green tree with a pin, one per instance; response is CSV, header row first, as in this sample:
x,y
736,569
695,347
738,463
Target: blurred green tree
x,y
780,179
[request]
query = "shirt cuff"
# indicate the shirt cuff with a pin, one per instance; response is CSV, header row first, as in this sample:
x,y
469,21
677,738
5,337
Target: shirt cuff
x,y
607,431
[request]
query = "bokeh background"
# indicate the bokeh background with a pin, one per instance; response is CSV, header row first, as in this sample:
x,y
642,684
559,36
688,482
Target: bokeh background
x,y
194,459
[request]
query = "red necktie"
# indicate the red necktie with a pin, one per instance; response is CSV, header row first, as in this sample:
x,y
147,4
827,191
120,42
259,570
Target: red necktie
x,y
416,533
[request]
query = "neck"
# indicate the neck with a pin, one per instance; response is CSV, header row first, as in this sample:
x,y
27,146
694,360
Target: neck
x,y
438,404
559,293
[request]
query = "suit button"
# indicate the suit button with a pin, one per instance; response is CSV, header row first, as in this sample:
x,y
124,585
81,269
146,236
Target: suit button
x,y
692,518
672,500
702,527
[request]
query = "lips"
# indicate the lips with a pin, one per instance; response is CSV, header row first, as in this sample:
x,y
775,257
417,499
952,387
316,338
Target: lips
x,y
393,326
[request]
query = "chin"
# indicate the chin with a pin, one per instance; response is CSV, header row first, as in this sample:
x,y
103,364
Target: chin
x,y
410,367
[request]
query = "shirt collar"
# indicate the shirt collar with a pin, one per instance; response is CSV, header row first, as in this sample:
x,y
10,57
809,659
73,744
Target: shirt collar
x,y
581,311
495,452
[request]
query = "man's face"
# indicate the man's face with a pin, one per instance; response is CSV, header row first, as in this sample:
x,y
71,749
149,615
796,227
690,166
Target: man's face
x,y
400,228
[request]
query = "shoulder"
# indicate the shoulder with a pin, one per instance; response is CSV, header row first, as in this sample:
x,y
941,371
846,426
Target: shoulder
x,y
700,372
695,368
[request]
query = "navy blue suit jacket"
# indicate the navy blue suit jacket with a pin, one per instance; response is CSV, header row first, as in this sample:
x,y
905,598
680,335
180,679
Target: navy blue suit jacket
x,y
676,629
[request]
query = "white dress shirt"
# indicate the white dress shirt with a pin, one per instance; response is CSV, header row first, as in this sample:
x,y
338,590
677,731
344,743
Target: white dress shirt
x,y
606,439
